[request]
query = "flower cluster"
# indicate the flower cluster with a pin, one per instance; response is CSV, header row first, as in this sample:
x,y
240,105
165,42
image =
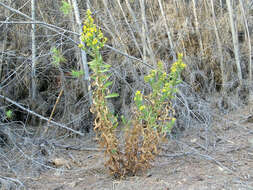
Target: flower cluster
x,y
91,35
138,100
163,86
163,83
156,75
178,66
159,80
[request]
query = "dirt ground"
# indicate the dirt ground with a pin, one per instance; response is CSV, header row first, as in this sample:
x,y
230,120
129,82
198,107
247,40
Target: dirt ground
x,y
217,157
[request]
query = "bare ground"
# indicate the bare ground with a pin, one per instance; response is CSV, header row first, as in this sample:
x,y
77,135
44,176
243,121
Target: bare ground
x,y
218,157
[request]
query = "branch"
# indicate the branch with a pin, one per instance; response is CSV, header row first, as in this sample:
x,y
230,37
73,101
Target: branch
x,y
40,116
83,54
43,23
33,31
12,180
129,56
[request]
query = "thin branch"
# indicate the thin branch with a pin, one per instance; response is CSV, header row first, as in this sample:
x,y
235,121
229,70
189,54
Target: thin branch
x,y
175,155
12,180
235,39
130,57
84,65
168,31
222,65
80,148
128,25
52,27
28,17
248,36
33,31
40,116
135,21
145,37
16,11
197,26
52,113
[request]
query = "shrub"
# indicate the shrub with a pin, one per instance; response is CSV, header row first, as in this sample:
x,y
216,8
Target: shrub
x,y
153,114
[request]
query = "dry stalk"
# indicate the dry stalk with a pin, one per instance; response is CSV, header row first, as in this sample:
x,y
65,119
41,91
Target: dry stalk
x,y
222,66
246,26
33,31
168,32
235,39
131,30
197,26
52,113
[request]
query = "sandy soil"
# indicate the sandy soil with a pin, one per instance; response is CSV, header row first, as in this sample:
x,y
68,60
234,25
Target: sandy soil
x,y
218,158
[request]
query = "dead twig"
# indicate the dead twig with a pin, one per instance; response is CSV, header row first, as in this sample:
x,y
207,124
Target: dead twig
x,y
175,155
70,147
13,180
52,113
40,116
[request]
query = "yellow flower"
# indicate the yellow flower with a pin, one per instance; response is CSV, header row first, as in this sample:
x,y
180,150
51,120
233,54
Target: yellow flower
x,y
95,41
84,28
146,78
100,35
138,92
105,40
164,75
91,35
183,65
88,35
93,29
142,108
180,55
164,90
83,37
160,64
80,45
174,68
88,12
90,19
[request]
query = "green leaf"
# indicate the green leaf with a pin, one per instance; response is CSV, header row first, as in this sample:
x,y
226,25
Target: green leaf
x,y
124,121
62,59
104,77
94,62
54,50
113,95
9,114
77,74
93,67
65,8
107,84
93,77
113,151
57,57
106,66
103,71
100,58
